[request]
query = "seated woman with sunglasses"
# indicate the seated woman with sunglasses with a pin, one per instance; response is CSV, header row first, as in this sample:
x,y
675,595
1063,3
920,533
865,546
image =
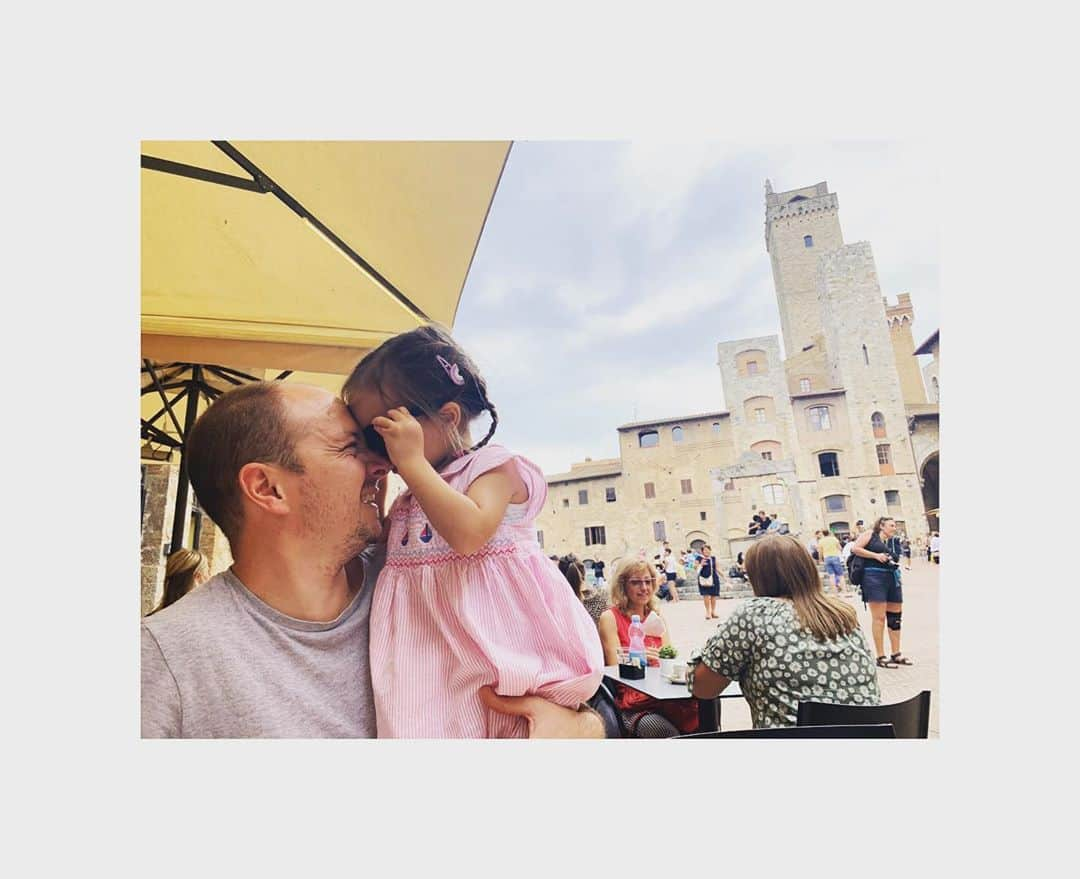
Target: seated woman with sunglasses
x,y
633,591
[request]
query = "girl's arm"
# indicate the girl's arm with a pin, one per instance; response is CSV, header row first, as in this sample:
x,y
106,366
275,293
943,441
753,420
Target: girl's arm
x,y
465,521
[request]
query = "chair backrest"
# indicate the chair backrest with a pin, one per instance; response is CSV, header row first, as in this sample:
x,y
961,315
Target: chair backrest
x,y
910,719
603,703
862,731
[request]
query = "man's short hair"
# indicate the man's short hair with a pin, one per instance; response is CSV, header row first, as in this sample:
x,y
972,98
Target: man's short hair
x,y
243,426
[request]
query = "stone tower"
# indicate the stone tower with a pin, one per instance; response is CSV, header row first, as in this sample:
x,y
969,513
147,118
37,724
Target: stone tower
x,y
800,225
900,318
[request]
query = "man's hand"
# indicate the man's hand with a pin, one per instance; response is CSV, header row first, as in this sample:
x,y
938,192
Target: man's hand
x,y
546,719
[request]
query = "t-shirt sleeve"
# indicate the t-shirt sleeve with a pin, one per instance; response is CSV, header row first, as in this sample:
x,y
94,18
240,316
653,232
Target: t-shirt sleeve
x,y
729,650
161,714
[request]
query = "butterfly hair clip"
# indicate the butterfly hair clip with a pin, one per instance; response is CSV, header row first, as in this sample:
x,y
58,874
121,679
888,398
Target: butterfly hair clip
x,y
451,370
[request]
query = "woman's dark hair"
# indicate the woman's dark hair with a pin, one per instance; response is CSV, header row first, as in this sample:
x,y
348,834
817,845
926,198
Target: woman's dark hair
x,y
574,571
409,370
881,521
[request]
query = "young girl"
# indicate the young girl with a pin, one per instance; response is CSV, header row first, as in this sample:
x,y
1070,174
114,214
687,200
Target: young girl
x,y
467,597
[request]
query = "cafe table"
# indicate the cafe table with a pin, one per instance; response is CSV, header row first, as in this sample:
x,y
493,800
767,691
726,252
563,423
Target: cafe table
x,y
659,687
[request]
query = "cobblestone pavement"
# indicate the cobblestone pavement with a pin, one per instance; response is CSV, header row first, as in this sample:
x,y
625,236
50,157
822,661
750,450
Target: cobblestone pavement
x,y
920,642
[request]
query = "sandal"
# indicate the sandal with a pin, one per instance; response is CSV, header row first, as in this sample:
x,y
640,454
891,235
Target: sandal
x,y
900,659
885,662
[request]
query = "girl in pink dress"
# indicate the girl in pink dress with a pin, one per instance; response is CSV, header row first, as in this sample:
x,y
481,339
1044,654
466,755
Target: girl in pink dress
x,y
467,597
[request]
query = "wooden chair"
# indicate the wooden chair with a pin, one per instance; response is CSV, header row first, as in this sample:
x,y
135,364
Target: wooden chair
x,y
859,731
910,719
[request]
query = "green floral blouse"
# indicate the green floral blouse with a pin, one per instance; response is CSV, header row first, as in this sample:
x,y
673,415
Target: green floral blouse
x,y
778,663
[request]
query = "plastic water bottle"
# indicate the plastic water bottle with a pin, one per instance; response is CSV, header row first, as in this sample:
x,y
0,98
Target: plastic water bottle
x,y
637,640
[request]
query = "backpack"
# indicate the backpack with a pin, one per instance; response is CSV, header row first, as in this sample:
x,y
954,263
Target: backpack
x,y
856,564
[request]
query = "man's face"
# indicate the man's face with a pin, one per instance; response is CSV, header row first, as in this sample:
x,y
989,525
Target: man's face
x,y
337,489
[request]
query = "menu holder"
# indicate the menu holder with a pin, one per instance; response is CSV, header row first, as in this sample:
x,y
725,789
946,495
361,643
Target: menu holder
x,y
631,672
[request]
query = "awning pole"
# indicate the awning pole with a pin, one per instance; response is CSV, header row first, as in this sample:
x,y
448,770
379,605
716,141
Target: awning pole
x,y
180,515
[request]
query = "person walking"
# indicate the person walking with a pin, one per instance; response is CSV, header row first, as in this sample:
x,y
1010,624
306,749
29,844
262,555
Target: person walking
x,y
935,549
670,588
709,582
829,549
905,550
881,588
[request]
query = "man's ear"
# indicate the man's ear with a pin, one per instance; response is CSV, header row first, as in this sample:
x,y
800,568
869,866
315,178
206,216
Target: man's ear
x,y
260,485
452,415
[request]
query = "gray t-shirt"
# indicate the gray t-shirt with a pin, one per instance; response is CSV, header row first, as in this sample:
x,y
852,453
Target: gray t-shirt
x,y
220,663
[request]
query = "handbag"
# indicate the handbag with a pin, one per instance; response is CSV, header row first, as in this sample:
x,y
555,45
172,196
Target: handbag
x,y
706,581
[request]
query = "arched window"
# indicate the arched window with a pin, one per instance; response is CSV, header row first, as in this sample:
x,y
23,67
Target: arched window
x,y
677,434
829,464
716,427
835,503
865,355
808,240
647,439
877,421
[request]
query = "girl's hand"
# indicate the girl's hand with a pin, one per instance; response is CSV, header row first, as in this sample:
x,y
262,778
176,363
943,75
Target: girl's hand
x,y
403,435
652,655
883,557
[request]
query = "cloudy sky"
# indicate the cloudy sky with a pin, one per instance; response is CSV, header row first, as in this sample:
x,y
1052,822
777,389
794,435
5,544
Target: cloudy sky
x,y
608,271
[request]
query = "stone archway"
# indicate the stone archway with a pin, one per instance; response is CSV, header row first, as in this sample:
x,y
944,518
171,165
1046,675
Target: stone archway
x,y
930,475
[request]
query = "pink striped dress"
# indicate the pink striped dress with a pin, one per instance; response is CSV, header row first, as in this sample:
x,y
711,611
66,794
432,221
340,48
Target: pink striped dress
x,y
443,625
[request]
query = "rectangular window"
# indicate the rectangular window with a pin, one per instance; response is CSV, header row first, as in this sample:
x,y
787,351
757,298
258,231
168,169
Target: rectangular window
x,y
686,487
767,456
759,415
595,536
835,503
583,497
702,517
774,494
819,418
808,240
658,531
540,538
892,500
565,502
650,491
829,464
884,457
609,495
804,385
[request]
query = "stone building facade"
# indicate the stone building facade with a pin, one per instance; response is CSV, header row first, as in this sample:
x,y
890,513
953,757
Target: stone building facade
x,y
837,430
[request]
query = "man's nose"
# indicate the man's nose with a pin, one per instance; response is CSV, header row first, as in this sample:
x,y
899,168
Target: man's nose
x,y
377,465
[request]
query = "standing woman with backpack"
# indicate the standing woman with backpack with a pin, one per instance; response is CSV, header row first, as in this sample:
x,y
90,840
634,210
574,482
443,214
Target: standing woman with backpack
x,y
881,588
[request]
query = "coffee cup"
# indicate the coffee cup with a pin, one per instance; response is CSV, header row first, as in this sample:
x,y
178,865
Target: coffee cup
x,y
678,673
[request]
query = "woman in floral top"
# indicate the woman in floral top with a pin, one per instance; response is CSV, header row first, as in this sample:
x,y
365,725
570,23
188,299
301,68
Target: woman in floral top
x,y
791,643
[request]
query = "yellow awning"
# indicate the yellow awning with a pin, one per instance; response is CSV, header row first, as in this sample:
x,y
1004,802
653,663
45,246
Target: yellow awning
x,y
353,242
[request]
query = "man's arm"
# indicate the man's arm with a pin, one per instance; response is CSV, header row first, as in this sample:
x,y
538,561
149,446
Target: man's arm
x,y
546,719
161,713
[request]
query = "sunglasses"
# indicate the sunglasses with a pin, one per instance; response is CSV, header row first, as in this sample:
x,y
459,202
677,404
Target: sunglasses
x,y
375,443
636,582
